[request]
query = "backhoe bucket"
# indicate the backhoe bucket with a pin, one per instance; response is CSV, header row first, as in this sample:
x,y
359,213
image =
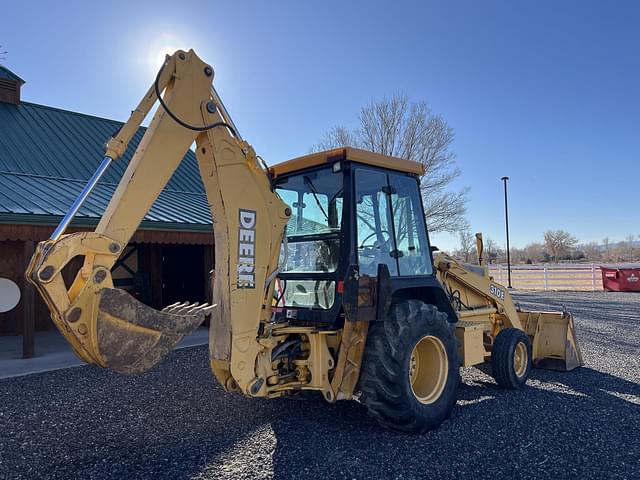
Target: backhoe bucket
x,y
555,345
132,337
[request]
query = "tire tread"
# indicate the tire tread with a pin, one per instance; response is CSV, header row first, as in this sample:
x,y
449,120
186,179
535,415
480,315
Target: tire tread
x,y
502,358
384,381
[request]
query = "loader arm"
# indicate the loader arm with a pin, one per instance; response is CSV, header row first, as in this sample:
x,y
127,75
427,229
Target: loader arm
x,y
108,327
480,301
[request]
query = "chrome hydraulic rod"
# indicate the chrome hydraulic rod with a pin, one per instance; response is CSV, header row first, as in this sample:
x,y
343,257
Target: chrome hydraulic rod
x,y
223,110
64,223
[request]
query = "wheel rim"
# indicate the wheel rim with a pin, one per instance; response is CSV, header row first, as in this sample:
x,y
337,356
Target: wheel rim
x,y
520,359
428,369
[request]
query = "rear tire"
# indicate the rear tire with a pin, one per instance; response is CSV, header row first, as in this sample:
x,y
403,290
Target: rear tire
x,y
410,370
511,358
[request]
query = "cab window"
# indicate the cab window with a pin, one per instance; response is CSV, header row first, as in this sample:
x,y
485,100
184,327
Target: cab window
x,y
312,238
373,223
390,224
409,225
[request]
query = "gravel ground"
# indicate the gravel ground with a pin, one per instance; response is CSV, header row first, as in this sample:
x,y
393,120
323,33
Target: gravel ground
x,y
176,422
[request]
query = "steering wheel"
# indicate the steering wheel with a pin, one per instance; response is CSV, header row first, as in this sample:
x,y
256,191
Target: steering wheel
x,y
368,248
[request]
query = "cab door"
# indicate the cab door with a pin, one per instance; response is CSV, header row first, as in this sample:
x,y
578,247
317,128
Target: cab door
x,y
375,243
411,241
390,226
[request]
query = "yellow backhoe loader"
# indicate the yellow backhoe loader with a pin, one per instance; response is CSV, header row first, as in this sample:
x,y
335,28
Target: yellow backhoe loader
x,y
324,277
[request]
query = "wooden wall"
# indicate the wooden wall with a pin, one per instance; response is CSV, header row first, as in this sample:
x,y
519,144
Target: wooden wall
x,y
10,268
31,314
17,243
14,258
13,262
9,91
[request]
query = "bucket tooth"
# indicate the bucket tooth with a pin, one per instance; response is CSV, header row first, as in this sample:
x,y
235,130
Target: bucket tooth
x,y
132,337
204,308
174,307
169,307
186,308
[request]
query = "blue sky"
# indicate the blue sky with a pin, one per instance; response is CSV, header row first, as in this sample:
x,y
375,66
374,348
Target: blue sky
x,y
545,92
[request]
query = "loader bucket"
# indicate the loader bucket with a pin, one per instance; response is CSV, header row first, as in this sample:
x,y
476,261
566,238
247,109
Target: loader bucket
x,y
554,342
132,337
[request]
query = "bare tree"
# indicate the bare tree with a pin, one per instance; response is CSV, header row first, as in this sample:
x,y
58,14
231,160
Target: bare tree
x,y
607,249
629,247
394,126
467,245
338,136
492,251
592,251
528,254
535,253
559,243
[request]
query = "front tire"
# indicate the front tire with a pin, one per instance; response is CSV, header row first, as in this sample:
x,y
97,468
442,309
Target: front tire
x,y
410,370
511,358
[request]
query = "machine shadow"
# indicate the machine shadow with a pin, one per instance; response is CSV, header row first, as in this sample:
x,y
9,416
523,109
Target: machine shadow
x,y
583,381
344,438
176,422
305,437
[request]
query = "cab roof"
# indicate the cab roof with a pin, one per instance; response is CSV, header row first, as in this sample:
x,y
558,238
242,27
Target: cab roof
x,y
350,154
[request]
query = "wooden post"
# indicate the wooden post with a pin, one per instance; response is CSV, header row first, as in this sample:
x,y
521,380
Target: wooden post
x,y
155,255
208,266
28,307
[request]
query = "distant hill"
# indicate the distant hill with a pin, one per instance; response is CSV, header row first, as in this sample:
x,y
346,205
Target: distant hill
x,y
613,245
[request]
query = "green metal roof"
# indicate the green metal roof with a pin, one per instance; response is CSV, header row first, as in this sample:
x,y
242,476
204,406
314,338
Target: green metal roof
x,y
48,154
9,75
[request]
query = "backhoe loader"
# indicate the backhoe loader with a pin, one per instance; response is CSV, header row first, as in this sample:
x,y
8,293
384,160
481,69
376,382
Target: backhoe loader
x,y
324,276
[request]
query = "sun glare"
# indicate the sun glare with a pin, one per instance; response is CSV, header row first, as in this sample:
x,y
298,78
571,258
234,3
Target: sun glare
x,y
162,53
161,47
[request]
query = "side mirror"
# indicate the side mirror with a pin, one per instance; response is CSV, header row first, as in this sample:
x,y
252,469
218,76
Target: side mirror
x,y
433,248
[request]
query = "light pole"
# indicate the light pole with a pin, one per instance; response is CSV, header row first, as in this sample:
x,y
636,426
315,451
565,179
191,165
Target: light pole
x,y
506,220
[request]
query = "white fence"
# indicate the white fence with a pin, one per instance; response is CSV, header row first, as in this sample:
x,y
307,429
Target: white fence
x,y
576,276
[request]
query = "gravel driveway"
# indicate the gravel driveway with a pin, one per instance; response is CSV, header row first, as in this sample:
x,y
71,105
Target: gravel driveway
x,y
176,422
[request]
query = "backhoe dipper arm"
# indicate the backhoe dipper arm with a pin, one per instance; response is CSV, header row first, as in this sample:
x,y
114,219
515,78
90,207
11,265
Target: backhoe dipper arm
x,y
108,327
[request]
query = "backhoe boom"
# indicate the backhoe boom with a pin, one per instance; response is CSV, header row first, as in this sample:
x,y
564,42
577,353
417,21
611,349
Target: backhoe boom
x,y
110,328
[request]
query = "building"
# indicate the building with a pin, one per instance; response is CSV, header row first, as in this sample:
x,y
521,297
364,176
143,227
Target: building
x,y
46,157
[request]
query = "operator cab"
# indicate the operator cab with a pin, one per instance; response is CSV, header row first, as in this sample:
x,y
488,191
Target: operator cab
x,y
349,207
